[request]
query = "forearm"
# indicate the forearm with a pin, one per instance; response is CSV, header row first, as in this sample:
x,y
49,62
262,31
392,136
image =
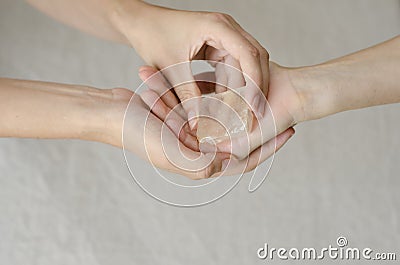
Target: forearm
x,y
32,109
366,78
97,17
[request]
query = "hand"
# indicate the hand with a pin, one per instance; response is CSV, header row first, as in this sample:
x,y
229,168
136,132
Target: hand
x,y
285,109
164,37
148,144
313,92
156,102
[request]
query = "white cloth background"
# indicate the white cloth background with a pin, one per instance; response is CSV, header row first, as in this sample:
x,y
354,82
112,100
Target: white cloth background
x,y
74,202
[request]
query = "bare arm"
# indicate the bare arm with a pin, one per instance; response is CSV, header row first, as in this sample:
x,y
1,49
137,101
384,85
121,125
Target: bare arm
x,y
91,16
32,109
366,78
163,37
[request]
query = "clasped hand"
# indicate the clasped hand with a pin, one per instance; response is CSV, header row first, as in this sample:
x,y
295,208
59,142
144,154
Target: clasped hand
x,y
172,144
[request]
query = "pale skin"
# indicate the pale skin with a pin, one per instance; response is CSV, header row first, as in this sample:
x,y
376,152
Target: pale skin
x,y
135,23
211,35
363,79
32,109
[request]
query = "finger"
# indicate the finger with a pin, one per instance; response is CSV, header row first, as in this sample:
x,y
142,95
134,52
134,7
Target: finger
x,y
229,39
213,169
173,155
264,56
221,79
148,144
174,122
263,130
216,58
185,161
233,73
269,148
279,141
227,70
264,60
181,78
258,156
155,81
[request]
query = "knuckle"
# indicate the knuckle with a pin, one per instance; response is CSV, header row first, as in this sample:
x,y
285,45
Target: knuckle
x,y
264,54
250,168
202,174
241,155
227,16
184,94
206,172
121,93
219,17
193,176
254,51
243,151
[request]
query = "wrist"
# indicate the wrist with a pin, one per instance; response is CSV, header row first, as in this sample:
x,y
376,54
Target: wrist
x,y
47,110
109,111
128,17
91,117
314,87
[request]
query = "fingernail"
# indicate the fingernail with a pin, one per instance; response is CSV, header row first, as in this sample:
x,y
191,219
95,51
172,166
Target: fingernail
x,y
261,106
146,68
192,117
140,76
224,164
142,72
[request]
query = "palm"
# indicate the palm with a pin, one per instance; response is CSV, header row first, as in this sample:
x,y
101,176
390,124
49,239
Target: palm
x,y
280,114
162,113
